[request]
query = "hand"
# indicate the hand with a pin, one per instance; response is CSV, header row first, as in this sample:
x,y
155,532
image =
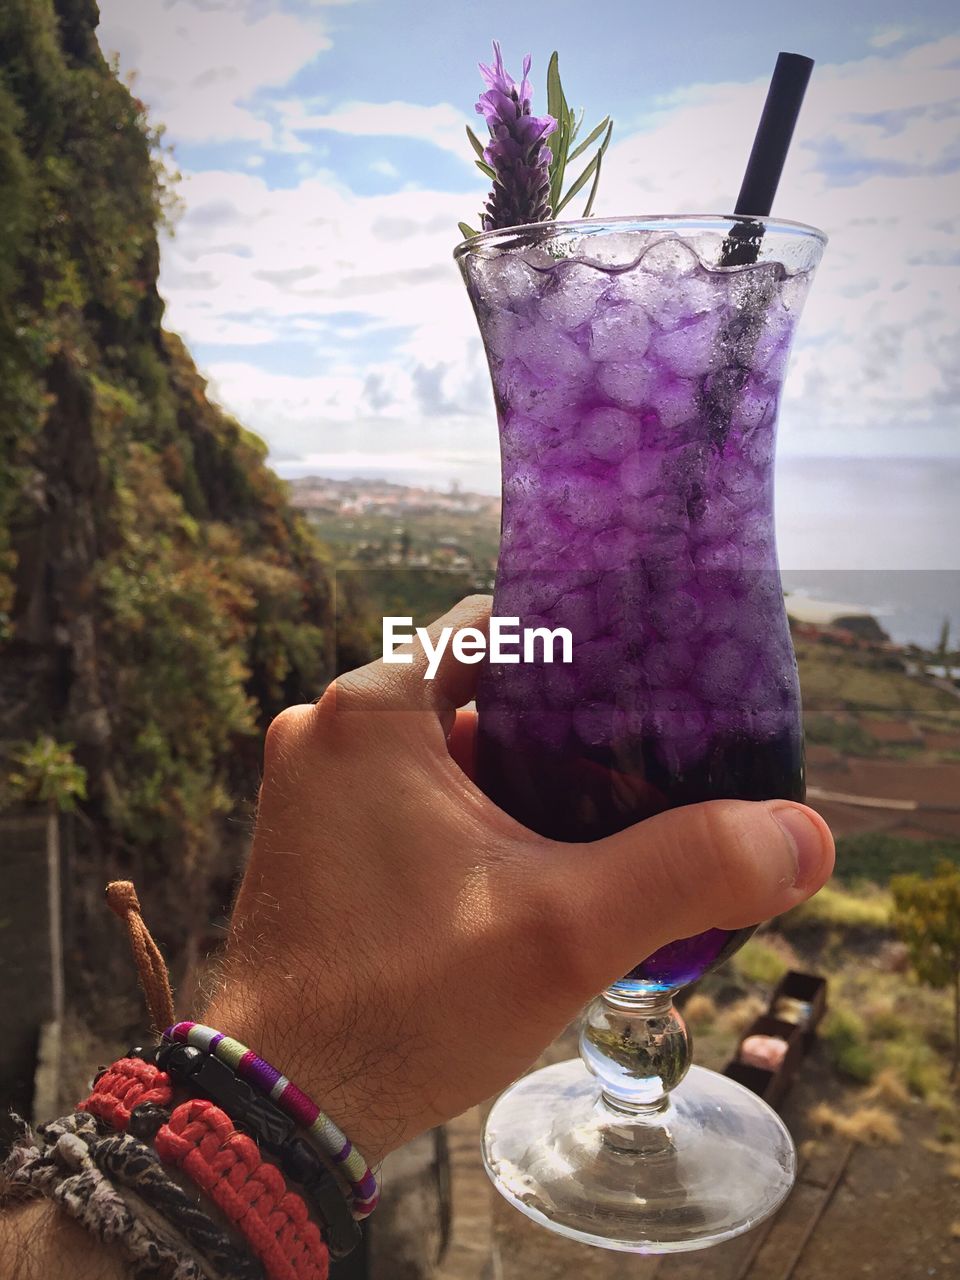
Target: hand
x,y
402,949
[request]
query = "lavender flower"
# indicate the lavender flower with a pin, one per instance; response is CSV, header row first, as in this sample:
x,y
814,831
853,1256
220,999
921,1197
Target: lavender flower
x,y
516,151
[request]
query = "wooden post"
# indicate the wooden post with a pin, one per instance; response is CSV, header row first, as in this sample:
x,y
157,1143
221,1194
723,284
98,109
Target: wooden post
x,y
31,955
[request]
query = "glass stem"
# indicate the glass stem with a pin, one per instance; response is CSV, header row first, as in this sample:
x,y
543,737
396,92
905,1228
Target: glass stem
x,y
637,1046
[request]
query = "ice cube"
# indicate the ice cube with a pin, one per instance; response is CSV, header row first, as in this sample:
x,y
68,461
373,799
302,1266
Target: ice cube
x,y
597,665
793,292
722,669
573,295
638,288
550,355
743,487
757,543
675,400
752,288
619,334
670,259
607,433
521,480
719,517
574,497
666,664
616,248
641,472
622,602
688,298
505,281
547,403
771,352
595,722
693,351
660,520
755,408
577,611
626,384
758,448
558,685
614,548
721,608
677,613
559,447
675,714
717,557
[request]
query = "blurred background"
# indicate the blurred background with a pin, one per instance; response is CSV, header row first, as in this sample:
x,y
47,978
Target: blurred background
x,y
244,412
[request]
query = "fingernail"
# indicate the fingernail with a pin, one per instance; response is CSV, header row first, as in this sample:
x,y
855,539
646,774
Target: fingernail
x,y
806,838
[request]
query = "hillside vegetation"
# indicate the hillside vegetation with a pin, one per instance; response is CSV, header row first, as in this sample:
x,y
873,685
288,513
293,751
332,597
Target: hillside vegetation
x,y
159,597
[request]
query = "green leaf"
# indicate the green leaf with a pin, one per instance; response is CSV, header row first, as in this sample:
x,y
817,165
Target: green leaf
x,y
593,190
576,129
592,137
588,171
485,168
554,90
466,231
559,140
475,142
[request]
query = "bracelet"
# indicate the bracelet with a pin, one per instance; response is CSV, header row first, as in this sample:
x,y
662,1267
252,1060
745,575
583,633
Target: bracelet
x,y
291,1100
201,1140
128,1083
271,1129
60,1167
132,1164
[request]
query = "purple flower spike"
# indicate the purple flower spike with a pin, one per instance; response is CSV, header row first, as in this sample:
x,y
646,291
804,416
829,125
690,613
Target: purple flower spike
x,y
516,151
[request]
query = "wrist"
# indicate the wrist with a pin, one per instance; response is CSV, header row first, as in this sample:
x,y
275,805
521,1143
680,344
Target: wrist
x,y
269,1016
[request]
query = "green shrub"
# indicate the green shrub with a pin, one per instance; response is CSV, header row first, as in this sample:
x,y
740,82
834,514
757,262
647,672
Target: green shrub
x,y
877,857
845,1038
887,1024
44,772
758,961
867,910
919,1066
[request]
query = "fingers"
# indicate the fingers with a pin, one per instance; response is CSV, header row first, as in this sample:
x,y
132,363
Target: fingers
x,y
381,686
726,864
450,682
462,740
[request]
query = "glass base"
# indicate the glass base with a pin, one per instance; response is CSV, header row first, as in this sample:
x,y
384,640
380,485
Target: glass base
x,y
712,1162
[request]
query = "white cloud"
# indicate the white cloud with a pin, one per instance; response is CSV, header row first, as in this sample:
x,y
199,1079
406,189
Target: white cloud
x,y
198,63
886,36
875,162
442,125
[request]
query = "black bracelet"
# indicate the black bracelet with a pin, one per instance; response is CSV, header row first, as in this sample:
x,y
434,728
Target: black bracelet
x,y
275,1132
128,1161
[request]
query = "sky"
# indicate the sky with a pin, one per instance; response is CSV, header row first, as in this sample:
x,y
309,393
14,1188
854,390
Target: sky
x,y
324,169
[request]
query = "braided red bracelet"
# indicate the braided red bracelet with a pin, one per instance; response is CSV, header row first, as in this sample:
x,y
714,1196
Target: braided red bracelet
x,y
125,1085
200,1139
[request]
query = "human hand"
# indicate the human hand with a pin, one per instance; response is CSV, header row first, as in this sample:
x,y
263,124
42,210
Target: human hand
x,y
402,948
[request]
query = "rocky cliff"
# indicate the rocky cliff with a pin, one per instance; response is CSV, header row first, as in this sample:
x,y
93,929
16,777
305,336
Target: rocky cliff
x,y
159,598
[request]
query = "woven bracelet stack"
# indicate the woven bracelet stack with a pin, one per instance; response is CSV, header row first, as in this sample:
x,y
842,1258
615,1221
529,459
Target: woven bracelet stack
x,y
199,1160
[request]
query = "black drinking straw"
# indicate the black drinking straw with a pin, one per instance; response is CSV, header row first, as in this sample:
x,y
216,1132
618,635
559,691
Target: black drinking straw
x,y
789,83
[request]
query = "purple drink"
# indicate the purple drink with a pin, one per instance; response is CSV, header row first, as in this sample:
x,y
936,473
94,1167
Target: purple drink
x,y
637,387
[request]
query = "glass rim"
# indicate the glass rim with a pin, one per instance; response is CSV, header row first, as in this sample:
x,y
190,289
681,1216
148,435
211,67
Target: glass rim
x,y
640,222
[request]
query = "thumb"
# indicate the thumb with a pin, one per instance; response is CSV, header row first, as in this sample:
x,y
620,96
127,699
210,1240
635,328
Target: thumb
x,y
723,864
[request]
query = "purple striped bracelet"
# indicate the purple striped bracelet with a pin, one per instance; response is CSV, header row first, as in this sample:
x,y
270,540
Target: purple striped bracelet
x,y
332,1141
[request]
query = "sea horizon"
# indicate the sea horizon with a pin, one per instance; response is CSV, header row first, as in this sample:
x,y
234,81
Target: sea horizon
x,y
881,533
